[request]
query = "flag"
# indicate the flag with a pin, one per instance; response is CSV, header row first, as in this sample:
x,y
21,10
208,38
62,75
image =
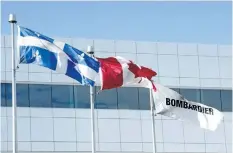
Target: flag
x,y
36,48
117,72
171,104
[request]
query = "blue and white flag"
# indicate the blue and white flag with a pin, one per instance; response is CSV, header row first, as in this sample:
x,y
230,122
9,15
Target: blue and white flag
x,y
35,48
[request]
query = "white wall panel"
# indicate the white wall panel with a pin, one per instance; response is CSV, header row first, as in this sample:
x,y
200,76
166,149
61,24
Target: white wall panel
x,y
64,129
134,147
210,83
195,148
129,134
148,60
41,130
188,66
148,147
3,76
147,131
41,112
168,65
173,147
146,47
63,112
193,134
208,67
174,134
24,146
226,83
7,41
189,82
3,59
4,129
228,131
42,146
215,148
187,49
125,46
217,136
23,128
225,67
2,41
109,130
108,113
40,77
167,48
169,81
84,147
82,43
207,50
65,146
225,50
130,114
104,45
83,130
110,147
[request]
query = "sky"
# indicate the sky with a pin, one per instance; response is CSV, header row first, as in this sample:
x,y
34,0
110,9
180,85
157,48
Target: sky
x,y
188,22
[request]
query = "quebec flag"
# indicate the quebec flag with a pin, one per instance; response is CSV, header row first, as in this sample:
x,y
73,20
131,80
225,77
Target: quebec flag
x,y
35,48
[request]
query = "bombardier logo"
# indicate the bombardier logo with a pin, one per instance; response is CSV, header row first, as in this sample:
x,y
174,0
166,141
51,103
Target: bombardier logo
x,y
186,105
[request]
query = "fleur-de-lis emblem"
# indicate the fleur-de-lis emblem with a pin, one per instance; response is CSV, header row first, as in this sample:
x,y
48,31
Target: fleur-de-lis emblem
x,y
37,56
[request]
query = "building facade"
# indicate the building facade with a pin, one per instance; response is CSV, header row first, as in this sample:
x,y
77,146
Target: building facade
x,y
54,110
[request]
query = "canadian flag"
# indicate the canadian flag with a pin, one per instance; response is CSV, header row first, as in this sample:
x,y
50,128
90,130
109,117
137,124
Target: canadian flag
x,y
118,71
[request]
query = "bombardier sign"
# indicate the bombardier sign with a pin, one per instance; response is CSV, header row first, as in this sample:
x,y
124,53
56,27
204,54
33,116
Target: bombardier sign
x,y
186,105
171,104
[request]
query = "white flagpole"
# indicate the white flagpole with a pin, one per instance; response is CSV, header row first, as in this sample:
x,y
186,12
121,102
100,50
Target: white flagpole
x,y
153,120
90,51
12,21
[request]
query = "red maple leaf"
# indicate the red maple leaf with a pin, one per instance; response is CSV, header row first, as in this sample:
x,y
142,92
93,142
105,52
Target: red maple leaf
x,y
141,71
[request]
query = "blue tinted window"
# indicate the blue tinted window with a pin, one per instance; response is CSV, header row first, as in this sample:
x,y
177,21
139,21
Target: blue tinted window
x,y
144,98
106,99
176,89
211,98
82,96
226,97
3,94
62,96
128,98
21,94
40,95
191,94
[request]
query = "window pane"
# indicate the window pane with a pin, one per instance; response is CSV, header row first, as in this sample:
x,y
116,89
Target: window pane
x,y
21,94
106,99
82,96
176,89
144,98
191,94
211,98
3,95
62,96
226,96
40,95
128,98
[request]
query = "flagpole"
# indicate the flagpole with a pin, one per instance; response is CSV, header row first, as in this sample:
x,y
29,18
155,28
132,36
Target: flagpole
x,y
12,21
90,51
153,120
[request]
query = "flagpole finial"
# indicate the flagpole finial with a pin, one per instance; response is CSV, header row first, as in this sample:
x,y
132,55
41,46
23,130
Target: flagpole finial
x,y
12,18
90,50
